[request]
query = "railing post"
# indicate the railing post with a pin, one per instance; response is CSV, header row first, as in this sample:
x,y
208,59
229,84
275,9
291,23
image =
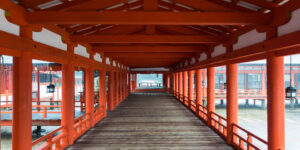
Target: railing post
x,y
22,97
232,100
210,93
67,109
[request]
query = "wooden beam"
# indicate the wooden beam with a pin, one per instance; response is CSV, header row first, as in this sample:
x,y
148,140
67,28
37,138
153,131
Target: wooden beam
x,y
149,55
148,18
149,49
283,45
147,39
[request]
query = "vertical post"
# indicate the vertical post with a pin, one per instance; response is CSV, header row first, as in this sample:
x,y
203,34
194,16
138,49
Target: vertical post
x,y
22,97
177,85
232,99
180,86
275,102
174,84
67,110
185,85
111,90
191,87
168,82
198,89
210,93
89,94
117,88
102,92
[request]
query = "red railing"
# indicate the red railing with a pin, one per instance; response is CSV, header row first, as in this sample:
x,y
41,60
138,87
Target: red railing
x,y
247,142
81,124
219,124
52,142
44,109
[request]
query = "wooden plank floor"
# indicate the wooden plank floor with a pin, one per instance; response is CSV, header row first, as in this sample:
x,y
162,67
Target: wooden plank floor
x,y
150,121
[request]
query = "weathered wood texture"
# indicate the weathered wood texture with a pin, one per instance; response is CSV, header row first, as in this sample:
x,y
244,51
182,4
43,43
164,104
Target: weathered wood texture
x,y
150,121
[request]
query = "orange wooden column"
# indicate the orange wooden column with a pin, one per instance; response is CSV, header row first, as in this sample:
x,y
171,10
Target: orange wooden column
x,y
275,102
232,99
102,91
111,89
117,93
120,87
89,94
185,85
22,97
174,83
67,110
177,85
210,92
198,86
124,85
180,86
191,86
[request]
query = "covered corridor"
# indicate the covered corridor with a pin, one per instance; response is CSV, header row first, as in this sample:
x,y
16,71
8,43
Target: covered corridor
x,y
98,47
150,121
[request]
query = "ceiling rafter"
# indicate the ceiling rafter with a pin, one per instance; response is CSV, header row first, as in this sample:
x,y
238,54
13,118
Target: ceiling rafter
x,y
147,39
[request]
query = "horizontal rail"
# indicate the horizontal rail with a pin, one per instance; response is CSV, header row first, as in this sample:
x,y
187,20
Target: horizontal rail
x,y
240,142
59,141
217,122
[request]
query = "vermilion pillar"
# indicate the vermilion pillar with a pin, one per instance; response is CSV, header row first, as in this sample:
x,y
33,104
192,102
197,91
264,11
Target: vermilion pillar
x,y
67,110
102,91
111,90
180,85
174,84
185,84
168,81
191,86
177,85
117,88
198,86
210,92
275,102
22,97
232,99
89,94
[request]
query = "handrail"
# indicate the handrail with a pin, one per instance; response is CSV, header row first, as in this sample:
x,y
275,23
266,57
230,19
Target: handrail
x,y
217,124
59,140
44,108
239,142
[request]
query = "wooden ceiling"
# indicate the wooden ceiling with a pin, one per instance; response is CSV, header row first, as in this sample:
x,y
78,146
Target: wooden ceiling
x,y
151,33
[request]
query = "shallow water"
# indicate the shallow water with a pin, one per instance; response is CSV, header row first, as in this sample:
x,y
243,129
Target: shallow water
x,y
255,121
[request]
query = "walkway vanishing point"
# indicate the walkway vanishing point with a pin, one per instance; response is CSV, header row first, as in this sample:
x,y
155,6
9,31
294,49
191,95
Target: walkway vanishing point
x,y
150,121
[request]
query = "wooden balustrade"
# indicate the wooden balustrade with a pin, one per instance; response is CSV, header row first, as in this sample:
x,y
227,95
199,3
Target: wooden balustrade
x,y
219,124
53,140
247,143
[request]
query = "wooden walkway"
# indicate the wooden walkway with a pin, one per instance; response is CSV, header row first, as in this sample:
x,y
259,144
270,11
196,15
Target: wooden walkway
x,y
150,121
